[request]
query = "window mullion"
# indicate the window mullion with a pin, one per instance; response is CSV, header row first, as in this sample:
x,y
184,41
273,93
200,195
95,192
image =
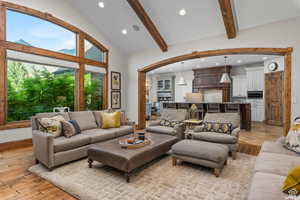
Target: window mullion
x,y
80,74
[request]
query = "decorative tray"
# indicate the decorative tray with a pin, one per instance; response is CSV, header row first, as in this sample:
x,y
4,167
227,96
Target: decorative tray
x,y
134,143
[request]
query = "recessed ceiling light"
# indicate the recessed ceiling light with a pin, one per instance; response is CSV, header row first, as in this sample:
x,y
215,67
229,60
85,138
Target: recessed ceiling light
x,y
124,31
101,4
265,58
239,61
202,59
182,12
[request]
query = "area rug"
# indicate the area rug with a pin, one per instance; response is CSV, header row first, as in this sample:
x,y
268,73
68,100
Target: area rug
x,y
157,180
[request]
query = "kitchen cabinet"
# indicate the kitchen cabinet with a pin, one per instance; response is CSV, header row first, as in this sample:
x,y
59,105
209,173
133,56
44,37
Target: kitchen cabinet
x,y
257,109
165,89
255,78
165,84
239,86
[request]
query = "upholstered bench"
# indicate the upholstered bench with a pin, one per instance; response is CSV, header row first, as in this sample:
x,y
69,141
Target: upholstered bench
x,y
206,154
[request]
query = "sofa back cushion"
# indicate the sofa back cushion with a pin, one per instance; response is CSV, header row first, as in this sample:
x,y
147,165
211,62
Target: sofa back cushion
x,y
85,119
123,116
97,115
233,118
174,114
35,123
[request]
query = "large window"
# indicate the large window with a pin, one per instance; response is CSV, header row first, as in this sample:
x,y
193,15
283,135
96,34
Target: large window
x,y
35,88
93,89
39,74
92,52
32,31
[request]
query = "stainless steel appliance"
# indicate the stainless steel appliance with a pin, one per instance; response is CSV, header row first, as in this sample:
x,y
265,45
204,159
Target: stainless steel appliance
x,y
255,94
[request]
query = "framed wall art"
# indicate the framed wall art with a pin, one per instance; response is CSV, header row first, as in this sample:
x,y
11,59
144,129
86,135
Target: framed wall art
x,y
115,99
115,80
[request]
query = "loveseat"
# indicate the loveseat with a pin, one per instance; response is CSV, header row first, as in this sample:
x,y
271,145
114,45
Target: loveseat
x,y
52,152
272,166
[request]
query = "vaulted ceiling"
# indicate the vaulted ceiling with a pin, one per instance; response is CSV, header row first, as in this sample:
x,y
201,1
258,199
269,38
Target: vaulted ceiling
x,y
203,19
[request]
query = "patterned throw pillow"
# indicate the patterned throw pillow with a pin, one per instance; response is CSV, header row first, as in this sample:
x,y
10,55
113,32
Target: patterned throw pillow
x,y
70,128
163,122
174,123
225,128
169,123
51,125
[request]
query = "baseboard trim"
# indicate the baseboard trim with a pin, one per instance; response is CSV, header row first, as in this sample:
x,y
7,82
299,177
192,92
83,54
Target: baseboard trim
x,y
15,144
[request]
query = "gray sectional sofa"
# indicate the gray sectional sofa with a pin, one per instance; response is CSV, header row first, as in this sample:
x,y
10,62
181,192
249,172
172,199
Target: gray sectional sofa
x,y
271,168
52,152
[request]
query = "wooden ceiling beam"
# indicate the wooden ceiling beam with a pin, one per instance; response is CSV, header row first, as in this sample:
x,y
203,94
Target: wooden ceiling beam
x,y
144,17
228,18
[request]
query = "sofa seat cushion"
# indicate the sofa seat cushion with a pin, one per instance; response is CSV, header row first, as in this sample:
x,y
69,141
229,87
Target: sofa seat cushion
x,y
85,119
123,130
65,144
279,164
99,135
161,129
266,186
276,147
201,150
215,137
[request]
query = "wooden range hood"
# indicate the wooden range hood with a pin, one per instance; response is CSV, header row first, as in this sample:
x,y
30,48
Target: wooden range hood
x,y
209,79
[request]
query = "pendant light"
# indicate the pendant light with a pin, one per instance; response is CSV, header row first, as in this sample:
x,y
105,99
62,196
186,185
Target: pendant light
x,y
181,80
225,76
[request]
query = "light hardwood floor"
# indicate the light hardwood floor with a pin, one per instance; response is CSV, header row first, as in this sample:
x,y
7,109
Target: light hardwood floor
x,y
261,132
17,183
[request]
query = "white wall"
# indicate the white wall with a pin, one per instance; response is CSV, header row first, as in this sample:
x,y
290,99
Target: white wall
x,y
181,90
66,12
281,34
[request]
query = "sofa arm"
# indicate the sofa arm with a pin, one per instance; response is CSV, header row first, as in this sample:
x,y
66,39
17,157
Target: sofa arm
x,y
43,147
154,123
236,132
130,123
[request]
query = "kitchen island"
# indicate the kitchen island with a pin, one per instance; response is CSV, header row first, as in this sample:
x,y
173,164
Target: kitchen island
x,y
243,108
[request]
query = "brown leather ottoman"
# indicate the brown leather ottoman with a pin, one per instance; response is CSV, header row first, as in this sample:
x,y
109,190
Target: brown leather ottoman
x,y
110,153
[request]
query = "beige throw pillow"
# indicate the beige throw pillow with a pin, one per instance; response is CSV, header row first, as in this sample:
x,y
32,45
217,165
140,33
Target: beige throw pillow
x,y
52,125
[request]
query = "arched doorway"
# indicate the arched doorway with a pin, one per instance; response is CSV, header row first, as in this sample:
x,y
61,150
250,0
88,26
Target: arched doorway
x,y
286,52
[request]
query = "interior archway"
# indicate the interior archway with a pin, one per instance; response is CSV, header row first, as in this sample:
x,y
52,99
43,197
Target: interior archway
x,y
286,52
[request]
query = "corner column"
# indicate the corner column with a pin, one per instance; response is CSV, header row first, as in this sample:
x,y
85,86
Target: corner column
x,y
142,100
